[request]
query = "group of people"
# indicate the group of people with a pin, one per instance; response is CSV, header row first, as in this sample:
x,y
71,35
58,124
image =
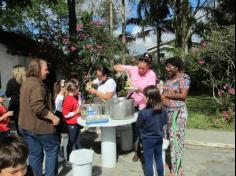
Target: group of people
x,y
161,114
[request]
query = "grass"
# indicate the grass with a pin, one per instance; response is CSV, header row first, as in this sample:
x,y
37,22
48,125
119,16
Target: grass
x,y
203,114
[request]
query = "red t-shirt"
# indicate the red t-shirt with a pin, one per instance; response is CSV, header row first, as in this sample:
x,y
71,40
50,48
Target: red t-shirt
x,y
4,124
70,105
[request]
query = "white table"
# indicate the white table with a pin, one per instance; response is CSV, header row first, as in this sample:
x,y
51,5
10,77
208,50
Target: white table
x,y
109,152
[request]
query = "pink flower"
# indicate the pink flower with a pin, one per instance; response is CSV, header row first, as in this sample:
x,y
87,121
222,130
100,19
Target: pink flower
x,y
226,115
99,47
231,91
226,86
201,61
196,50
79,27
97,23
73,48
203,44
65,40
88,46
221,93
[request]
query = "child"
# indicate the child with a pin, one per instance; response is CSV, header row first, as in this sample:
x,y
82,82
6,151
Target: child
x,y
13,157
71,112
4,117
151,122
59,95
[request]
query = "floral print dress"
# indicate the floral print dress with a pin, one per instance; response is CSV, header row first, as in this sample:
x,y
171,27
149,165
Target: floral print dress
x,y
177,117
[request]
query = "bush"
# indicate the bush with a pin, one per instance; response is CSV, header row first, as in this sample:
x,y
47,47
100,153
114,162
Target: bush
x,y
213,64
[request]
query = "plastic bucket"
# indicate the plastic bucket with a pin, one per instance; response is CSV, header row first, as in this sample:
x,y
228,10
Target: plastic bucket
x,y
81,161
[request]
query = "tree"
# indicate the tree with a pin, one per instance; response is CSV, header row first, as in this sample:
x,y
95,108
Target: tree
x,y
93,46
184,19
214,60
224,14
152,13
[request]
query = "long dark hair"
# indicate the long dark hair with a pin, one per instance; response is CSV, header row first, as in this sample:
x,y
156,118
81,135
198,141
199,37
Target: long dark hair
x,y
153,96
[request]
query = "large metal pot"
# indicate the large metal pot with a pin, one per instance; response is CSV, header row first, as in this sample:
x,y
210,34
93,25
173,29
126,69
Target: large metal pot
x,y
120,108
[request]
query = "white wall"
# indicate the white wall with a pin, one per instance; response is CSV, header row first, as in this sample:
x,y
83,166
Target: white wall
x,y
7,61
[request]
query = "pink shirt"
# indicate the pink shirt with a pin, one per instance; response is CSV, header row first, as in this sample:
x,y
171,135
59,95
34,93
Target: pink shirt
x,y
142,82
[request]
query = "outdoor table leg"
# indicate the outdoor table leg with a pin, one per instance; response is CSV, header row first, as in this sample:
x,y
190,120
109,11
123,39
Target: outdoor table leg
x,y
109,152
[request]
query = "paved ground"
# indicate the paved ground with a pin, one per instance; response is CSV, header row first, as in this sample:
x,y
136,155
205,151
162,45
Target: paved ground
x,y
199,161
211,136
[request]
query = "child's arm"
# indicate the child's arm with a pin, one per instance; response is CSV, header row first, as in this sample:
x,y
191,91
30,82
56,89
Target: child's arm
x,y
67,109
140,121
6,116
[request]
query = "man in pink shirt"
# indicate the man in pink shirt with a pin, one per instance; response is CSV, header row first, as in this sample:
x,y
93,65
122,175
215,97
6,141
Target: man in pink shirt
x,y
141,77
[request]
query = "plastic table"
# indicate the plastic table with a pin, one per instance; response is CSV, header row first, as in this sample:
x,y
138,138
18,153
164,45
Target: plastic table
x,y
109,151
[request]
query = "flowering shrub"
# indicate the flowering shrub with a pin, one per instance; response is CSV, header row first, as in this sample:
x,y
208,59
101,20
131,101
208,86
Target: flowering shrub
x,y
214,61
92,46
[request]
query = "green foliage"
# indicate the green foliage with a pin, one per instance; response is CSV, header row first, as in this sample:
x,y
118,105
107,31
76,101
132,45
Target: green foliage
x,y
224,14
203,116
93,46
213,63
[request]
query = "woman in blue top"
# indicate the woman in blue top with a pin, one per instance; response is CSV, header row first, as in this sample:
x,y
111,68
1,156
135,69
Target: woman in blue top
x,y
151,122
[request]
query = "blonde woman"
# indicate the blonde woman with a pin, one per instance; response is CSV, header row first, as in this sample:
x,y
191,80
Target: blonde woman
x,y
13,91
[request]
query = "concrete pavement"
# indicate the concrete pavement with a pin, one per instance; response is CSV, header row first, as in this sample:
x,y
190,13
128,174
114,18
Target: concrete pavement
x,y
199,160
210,138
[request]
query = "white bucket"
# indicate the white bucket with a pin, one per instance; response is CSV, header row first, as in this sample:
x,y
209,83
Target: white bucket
x,y
126,138
81,161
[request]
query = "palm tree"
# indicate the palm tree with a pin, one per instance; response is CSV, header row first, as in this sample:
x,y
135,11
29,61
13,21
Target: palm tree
x,y
111,16
152,13
184,19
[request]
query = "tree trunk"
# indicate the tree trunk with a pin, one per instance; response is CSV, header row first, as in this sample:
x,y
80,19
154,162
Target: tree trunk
x,y
123,14
72,18
183,26
158,51
111,17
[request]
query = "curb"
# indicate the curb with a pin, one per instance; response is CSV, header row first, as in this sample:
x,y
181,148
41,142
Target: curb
x,y
207,144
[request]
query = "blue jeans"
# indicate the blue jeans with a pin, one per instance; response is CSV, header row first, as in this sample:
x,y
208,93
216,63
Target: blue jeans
x,y
37,145
74,139
153,149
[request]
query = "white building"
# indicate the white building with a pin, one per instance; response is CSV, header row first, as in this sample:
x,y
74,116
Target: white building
x,y
7,62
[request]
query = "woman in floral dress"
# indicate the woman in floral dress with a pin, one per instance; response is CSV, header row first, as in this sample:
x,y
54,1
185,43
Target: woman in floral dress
x,y
175,92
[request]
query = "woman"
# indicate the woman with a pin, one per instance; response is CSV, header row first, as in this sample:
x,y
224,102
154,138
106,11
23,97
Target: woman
x,y
141,77
37,121
176,90
106,86
13,91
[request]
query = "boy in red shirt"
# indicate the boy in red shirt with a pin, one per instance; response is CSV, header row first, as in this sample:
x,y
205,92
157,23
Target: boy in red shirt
x,y
4,117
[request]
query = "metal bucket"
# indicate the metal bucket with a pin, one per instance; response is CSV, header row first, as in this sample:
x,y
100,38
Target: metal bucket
x,y
120,108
